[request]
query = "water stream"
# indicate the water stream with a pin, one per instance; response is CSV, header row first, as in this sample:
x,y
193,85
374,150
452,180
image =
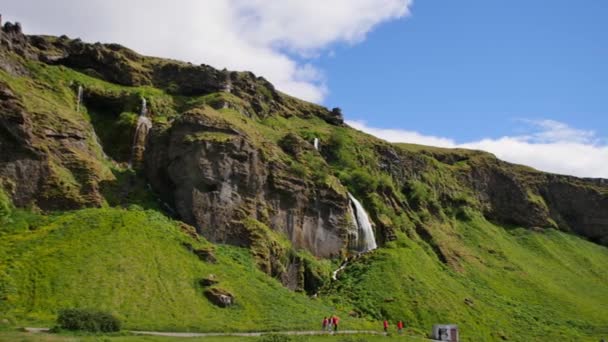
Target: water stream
x,y
79,98
144,124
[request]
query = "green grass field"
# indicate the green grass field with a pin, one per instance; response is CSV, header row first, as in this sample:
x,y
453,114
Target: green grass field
x,y
133,264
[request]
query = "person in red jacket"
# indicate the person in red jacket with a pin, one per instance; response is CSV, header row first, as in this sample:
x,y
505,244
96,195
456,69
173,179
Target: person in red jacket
x,y
335,320
325,322
400,327
385,323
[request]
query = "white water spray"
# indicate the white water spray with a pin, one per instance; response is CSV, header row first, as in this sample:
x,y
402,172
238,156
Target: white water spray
x,y
144,124
144,107
316,143
79,98
364,239
361,239
334,274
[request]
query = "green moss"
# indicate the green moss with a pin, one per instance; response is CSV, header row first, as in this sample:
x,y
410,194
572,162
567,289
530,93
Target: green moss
x,y
209,136
270,248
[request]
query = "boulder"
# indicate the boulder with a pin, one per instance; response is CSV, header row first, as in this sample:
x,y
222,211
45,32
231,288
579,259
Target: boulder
x,y
219,297
210,280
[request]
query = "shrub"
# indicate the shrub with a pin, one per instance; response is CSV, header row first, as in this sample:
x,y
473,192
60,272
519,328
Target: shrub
x,y
339,149
88,320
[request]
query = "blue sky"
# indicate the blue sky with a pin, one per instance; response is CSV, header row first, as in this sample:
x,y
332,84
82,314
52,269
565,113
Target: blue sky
x,y
475,69
525,80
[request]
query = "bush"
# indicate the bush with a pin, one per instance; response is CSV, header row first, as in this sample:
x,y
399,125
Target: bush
x,y
339,149
87,320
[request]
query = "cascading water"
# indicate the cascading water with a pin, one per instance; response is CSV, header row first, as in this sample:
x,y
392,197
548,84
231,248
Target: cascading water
x,y
228,84
144,124
316,143
79,98
361,239
364,239
334,274
144,107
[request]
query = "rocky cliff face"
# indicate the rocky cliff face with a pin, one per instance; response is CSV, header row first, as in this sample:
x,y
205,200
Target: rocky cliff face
x,y
49,166
217,177
505,193
232,156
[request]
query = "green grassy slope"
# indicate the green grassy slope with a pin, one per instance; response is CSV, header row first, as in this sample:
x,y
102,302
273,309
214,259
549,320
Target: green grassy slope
x,y
133,263
516,284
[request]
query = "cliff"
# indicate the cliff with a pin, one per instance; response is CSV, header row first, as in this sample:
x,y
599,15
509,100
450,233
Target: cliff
x,y
462,235
227,146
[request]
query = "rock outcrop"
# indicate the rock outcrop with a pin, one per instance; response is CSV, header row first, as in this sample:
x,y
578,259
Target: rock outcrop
x,y
218,176
219,297
505,193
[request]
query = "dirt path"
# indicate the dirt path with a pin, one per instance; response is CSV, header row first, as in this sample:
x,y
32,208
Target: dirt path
x,y
243,334
254,334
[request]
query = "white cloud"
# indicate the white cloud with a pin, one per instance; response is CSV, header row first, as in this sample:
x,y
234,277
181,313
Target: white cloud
x,y
399,135
554,147
273,38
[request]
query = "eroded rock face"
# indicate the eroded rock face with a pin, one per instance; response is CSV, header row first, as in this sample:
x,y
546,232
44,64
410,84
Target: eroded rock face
x,y
506,199
218,178
23,167
582,210
53,168
507,193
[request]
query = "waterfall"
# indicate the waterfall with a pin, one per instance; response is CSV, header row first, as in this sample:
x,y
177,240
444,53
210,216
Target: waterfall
x,y
144,107
364,239
316,143
144,124
361,239
228,85
79,98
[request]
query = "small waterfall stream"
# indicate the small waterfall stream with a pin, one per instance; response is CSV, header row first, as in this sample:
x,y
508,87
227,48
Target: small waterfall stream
x,y
334,274
144,124
79,98
316,143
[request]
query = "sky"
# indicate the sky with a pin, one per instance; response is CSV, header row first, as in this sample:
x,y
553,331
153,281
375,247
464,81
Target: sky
x,y
525,80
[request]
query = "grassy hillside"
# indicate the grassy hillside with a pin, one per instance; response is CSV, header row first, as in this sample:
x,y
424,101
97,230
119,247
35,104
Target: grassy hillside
x,y
509,283
514,283
134,264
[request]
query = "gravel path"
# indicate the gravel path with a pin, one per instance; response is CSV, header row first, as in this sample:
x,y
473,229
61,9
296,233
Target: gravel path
x,y
253,334
244,334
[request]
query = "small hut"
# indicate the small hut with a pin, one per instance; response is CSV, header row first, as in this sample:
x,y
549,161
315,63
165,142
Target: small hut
x,y
445,332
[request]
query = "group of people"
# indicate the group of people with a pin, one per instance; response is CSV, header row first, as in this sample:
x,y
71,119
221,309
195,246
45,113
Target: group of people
x,y
331,323
399,326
